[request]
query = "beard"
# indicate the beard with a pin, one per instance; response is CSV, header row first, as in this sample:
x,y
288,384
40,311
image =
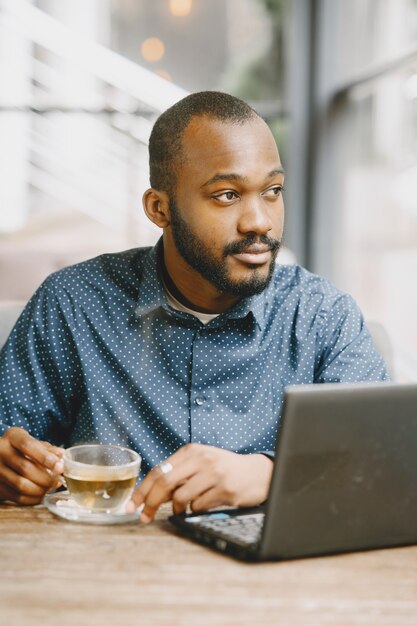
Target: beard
x,y
199,256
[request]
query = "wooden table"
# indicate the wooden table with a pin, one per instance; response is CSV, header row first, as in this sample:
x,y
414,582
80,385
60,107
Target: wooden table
x,y
54,572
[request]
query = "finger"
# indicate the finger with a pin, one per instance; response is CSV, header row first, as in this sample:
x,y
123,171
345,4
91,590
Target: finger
x,y
190,480
158,487
211,499
186,454
28,469
57,481
35,450
9,494
54,449
152,492
155,476
20,484
192,489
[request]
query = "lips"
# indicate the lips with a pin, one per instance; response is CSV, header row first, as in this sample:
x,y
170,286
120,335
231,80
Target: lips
x,y
254,255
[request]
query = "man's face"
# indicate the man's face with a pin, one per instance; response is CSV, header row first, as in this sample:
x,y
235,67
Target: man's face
x,y
214,269
226,219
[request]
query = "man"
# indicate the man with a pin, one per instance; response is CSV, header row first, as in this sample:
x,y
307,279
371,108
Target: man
x,y
181,352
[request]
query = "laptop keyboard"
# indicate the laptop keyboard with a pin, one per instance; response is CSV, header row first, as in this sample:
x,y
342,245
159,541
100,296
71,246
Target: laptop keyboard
x,y
244,529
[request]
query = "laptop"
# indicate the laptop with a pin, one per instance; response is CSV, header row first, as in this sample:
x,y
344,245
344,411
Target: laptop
x,y
344,479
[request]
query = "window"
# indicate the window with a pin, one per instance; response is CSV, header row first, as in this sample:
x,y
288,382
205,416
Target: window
x,y
361,183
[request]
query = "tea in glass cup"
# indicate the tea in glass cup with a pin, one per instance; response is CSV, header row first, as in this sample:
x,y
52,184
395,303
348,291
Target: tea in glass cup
x,y
99,477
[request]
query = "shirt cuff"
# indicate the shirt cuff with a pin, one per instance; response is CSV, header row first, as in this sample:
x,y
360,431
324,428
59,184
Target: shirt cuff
x,y
270,455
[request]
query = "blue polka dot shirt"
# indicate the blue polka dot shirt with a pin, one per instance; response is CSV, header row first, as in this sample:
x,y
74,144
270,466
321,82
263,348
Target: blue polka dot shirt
x,y
98,354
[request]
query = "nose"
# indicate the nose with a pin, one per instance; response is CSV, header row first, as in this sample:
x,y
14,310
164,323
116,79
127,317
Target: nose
x,y
255,218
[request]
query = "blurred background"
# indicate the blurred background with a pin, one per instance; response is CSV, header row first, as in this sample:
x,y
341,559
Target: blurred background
x,y
82,81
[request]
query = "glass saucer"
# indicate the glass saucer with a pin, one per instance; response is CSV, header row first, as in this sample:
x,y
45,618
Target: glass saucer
x,y
62,505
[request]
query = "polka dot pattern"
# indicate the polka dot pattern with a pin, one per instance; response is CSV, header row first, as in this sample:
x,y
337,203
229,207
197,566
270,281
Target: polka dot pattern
x,y
99,355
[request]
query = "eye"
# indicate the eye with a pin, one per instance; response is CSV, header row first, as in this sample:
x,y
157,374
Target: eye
x,y
226,196
273,192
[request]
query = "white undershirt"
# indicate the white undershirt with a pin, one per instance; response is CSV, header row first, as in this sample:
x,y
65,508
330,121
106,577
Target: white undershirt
x,y
205,318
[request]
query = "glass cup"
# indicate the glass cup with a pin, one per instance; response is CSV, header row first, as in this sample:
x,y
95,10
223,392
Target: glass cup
x,y
101,478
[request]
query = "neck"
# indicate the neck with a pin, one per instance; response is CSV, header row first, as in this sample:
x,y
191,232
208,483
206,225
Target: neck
x,y
191,289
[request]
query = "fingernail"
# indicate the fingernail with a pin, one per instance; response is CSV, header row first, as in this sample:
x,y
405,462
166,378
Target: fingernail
x,y
58,467
50,460
130,507
145,518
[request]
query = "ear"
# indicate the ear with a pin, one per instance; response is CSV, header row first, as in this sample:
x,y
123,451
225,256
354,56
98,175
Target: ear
x,y
156,207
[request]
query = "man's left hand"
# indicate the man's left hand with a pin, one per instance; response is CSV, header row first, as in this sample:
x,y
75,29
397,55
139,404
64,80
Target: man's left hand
x,y
203,477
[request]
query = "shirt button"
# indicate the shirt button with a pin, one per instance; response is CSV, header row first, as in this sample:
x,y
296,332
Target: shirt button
x,y
199,400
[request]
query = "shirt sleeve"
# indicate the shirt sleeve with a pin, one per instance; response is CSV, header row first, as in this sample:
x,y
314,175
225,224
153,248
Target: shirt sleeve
x,y
345,350
38,377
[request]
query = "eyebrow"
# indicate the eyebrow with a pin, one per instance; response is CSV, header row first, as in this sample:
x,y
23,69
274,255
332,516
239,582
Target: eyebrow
x,y
237,177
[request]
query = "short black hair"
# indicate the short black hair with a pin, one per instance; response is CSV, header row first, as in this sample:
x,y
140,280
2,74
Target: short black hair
x,y
165,142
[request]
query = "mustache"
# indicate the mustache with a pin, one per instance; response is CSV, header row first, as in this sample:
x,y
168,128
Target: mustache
x,y
237,247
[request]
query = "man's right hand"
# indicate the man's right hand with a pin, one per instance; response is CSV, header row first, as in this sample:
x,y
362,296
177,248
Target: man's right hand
x,y
28,468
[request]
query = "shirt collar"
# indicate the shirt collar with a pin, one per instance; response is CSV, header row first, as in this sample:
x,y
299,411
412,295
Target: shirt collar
x,y
151,290
255,305
152,295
